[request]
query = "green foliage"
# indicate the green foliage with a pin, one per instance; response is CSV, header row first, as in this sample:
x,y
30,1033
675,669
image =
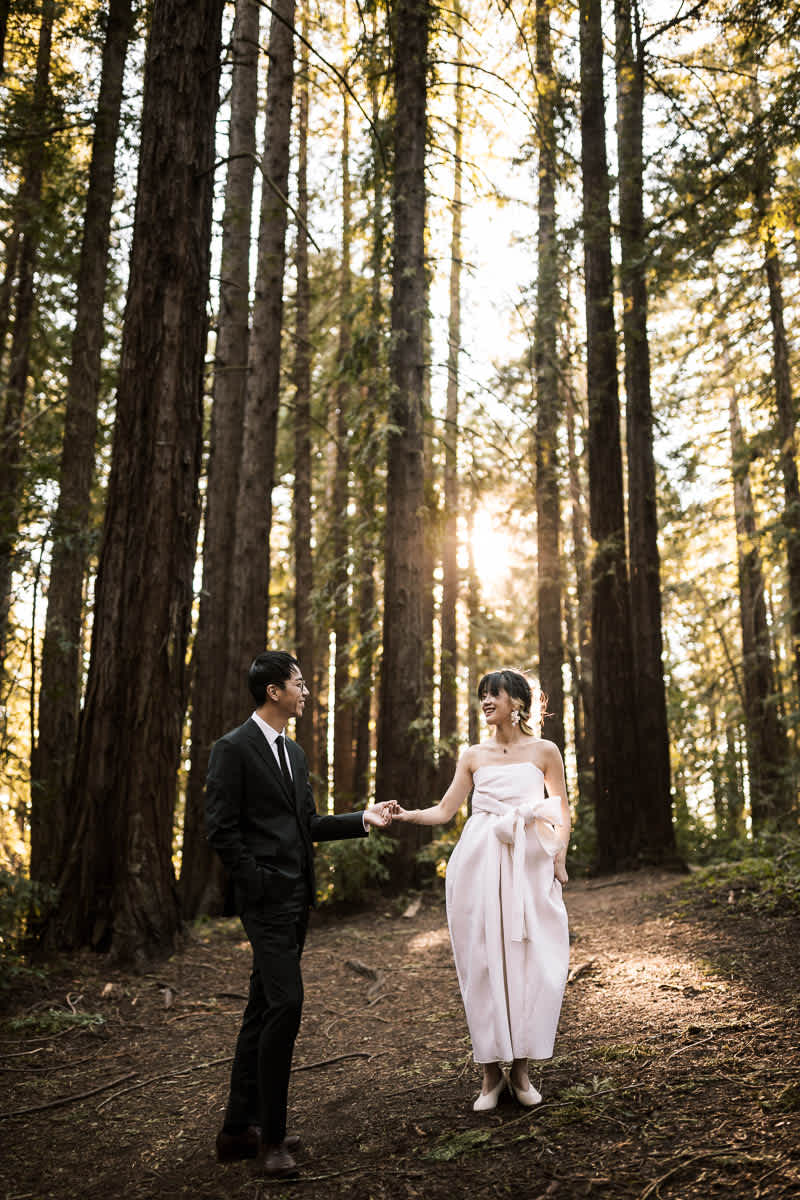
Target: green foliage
x,y
56,1020
346,869
765,881
455,1144
21,901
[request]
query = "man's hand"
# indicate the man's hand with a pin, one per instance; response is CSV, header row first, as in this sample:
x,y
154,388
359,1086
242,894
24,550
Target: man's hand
x,y
560,866
379,815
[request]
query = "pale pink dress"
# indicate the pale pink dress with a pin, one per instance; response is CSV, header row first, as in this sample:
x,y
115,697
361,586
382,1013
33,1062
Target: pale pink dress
x,y
508,924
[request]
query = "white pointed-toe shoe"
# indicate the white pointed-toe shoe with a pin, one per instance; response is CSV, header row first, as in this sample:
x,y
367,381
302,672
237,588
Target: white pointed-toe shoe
x,y
527,1098
486,1101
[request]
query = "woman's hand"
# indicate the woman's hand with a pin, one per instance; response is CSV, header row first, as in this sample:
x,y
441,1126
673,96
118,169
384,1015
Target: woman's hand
x,y
404,815
379,815
560,866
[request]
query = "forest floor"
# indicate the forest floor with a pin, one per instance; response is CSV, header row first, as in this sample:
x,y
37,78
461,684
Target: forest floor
x,y
677,1068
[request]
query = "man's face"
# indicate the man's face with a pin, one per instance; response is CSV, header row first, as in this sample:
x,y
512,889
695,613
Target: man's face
x,y
291,697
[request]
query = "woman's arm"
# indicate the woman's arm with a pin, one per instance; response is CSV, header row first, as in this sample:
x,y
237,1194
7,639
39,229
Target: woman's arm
x,y
556,783
451,801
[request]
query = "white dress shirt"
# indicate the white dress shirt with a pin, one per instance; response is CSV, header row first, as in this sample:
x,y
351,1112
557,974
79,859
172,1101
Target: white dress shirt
x,y
271,735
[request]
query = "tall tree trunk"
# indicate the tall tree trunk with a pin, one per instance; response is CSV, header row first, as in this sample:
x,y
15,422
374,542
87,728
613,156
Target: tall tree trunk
x,y
581,663
548,397
645,586
473,612
251,555
5,6
343,712
304,636
201,883
448,707
767,745
621,838
28,225
368,486
52,756
118,888
401,749
784,402
10,258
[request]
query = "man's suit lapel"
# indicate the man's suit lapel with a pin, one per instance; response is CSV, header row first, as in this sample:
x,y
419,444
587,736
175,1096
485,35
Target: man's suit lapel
x,y
259,744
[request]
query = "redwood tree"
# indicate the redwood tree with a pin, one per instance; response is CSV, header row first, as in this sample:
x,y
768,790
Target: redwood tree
x,y
251,560
771,792
548,397
304,634
118,889
645,582
24,241
620,834
448,708
201,872
51,758
401,751
343,711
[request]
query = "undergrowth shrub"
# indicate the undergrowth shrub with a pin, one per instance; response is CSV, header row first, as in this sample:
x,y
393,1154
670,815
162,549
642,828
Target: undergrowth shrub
x,y
765,879
346,869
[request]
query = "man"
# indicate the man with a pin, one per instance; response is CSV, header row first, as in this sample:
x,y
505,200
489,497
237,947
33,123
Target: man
x,y
262,822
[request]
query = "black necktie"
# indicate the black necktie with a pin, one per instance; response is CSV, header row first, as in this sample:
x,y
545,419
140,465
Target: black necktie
x,y
284,764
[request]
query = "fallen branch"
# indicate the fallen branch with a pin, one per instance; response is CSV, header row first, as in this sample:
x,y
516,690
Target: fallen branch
x,y
686,1162
166,1075
594,887
691,1046
325,1062
63,1100
576,972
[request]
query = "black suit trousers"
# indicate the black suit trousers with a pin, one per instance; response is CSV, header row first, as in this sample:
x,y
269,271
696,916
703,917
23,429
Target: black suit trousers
x,y
263,1058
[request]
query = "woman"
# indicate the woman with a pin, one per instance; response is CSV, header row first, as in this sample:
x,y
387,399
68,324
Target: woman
x,y
508,924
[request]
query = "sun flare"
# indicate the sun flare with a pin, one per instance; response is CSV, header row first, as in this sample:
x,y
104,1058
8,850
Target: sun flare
x,y
491,547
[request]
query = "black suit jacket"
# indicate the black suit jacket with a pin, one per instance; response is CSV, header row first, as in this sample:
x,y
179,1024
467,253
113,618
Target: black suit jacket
x,y
262,831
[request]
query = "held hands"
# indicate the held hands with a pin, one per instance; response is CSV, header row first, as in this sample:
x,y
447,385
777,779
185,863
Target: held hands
x,y
403,815
560,867
380,815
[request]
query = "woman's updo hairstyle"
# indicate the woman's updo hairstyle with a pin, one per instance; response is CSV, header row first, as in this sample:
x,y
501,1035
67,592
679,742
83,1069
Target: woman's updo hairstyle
x,y
519,689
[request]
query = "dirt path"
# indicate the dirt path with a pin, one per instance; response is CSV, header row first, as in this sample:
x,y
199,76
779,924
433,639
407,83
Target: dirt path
x,y
677,1071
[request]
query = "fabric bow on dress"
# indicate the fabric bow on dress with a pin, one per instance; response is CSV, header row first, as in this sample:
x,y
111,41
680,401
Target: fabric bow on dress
x,y
545,813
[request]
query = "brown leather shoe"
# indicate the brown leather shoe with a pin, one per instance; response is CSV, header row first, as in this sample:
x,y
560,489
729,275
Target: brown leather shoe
x,y
278,1162
233,1147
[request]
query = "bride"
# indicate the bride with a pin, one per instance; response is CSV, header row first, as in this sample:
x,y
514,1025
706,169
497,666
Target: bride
x,y
508,924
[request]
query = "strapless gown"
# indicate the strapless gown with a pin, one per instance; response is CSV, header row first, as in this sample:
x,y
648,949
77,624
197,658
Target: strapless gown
x,y
508,924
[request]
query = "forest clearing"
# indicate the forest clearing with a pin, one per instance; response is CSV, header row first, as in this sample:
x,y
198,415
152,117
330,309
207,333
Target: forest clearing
x,y
677,1067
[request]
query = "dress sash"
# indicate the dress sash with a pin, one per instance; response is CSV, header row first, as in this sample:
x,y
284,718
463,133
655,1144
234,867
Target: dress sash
x,y
509,828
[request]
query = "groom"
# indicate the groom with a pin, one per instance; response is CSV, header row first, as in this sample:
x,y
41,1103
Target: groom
x,y
262,821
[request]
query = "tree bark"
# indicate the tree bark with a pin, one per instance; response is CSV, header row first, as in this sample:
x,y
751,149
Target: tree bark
x,y
448,707
343,712
784,401
473,612
401,749
28,226
581,660
304,635
621,838
52,756
368,484
251,555
202,880
548,398
118,888
645,586
771,796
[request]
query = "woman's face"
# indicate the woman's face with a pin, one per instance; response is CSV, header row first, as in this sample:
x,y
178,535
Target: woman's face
x,y
497,709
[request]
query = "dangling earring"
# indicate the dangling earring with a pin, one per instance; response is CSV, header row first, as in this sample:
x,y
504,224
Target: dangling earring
x,y
515,717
